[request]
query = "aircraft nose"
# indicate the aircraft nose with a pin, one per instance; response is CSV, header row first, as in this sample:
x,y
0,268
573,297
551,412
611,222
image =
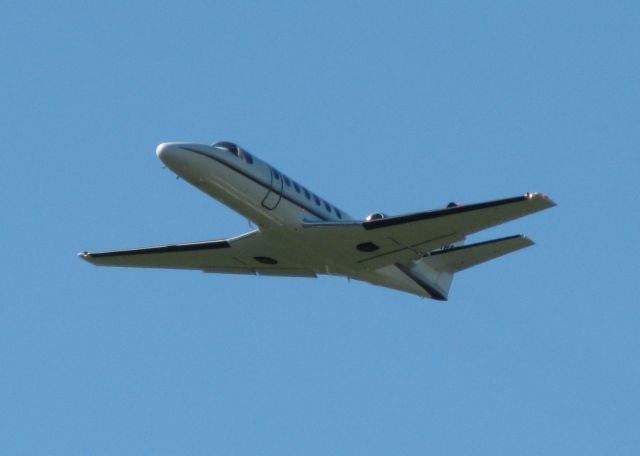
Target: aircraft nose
x,y
166,151
172,155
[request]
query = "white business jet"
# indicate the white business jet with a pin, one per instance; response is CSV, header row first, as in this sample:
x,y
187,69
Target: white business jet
x,y
302,235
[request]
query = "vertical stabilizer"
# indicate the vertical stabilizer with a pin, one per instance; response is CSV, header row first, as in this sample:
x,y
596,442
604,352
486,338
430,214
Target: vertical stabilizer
x,y
435,281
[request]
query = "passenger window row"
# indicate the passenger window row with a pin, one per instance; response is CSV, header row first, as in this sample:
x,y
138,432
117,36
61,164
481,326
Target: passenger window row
x,y
289,182
246,156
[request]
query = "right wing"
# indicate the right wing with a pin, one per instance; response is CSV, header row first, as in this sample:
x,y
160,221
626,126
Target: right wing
x,y
251,253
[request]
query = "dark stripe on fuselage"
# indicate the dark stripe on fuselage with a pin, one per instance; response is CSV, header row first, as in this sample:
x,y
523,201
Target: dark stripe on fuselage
x,y
257,181
399,220
191,247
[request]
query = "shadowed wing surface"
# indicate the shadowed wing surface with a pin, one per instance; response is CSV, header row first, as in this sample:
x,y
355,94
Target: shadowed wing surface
x,y
389,240
251,253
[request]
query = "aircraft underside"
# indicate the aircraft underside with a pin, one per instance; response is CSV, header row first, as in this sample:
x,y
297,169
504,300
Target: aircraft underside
x,y
301,235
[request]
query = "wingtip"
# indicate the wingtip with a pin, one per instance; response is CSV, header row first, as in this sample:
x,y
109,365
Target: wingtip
x,y
540,197
86,256
527,240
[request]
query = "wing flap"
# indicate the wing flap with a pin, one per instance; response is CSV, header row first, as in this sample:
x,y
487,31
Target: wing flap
x,y
271,271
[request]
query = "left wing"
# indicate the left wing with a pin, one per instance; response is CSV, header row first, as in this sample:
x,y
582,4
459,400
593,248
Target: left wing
x,y
419,253
459,220
251,253
377,243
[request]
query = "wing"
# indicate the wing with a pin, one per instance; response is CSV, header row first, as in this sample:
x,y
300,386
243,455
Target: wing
x,y
251,253
458,221
372,245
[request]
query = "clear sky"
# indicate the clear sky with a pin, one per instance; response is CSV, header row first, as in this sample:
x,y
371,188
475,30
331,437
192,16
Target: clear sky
x,y
394,107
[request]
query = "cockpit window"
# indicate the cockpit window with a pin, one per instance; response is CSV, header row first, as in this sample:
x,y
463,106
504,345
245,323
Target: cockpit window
x,y
235,150
228,146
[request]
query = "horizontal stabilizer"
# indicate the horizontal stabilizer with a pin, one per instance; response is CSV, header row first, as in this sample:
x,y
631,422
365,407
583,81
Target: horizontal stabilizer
x,y
433,274
459,258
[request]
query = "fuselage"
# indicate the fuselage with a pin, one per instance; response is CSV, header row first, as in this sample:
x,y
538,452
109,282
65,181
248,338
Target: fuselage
x,y
248,185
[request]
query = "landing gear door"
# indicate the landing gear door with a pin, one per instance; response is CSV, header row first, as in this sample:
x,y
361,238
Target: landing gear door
x,y
274,194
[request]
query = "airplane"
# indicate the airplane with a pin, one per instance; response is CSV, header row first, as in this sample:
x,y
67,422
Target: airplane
x,y
300,234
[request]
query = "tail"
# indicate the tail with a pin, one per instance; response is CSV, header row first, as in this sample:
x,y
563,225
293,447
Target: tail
x,y
434,273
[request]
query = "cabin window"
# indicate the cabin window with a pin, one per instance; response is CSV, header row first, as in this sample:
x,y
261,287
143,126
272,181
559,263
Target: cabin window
x,y
286,180
327,206
315,197
247,156
296,186
338,213
306,193
276,174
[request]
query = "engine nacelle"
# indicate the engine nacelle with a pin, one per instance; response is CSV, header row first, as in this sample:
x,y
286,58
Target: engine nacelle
x,y
375,216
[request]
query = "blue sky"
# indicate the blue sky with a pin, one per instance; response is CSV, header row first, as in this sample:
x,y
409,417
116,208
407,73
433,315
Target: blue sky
x,y
374,106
